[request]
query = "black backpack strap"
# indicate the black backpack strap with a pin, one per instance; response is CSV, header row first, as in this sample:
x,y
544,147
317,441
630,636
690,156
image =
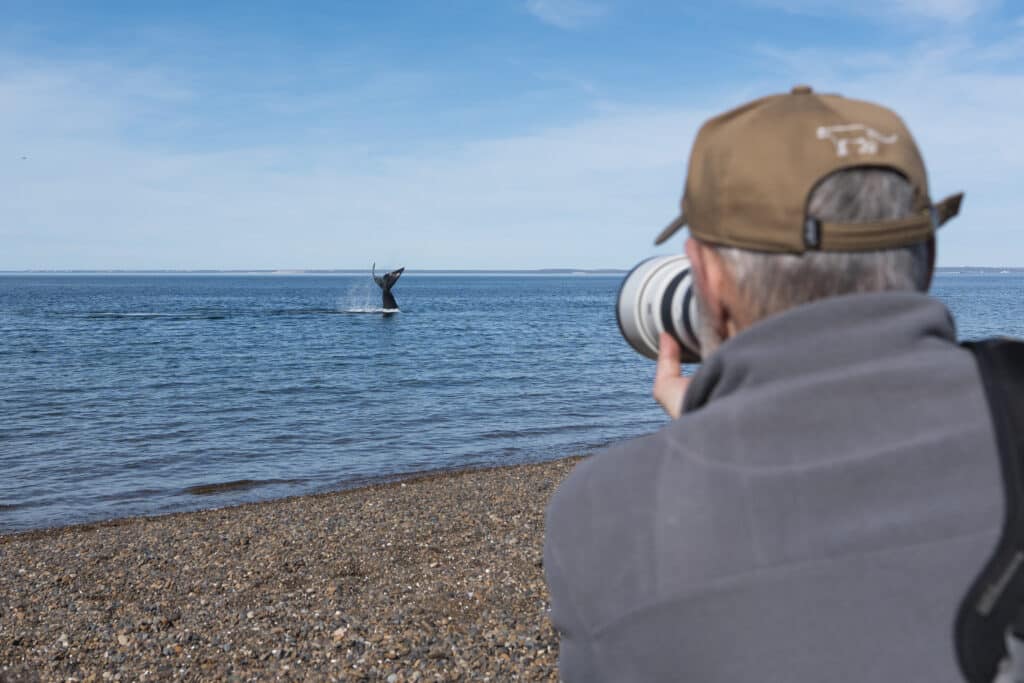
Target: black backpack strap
x,y
996,597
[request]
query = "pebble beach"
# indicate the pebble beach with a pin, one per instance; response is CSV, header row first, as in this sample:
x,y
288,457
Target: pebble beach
x,y
435,578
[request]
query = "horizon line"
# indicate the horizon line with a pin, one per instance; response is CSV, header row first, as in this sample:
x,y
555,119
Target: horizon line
x,y
358,271
301,271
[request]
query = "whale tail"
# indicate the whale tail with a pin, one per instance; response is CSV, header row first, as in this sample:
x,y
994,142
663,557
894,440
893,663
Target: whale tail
x,y
386,282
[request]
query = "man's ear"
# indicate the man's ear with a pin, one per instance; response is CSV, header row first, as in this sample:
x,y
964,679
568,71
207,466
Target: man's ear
x,y
709,275
696,256
931,263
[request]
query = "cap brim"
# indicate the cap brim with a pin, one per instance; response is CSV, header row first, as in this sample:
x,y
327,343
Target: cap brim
x,y
947,208
671,229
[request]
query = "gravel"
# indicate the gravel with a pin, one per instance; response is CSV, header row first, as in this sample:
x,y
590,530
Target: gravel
x,y
437,578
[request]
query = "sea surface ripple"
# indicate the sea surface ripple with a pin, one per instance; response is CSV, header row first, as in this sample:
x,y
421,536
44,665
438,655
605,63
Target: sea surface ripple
x,y
142,394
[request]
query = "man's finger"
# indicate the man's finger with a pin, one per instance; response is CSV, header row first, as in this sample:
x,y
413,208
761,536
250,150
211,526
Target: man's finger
x,y
670,355
669,385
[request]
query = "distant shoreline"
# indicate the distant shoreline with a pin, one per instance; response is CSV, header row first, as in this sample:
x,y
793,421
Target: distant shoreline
x,y
313,271
427,271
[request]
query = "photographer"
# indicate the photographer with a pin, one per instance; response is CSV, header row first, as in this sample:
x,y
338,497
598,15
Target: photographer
x,y
831,485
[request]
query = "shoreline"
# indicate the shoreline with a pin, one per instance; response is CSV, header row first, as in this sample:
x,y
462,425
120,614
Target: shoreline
x,y
355,484
430,577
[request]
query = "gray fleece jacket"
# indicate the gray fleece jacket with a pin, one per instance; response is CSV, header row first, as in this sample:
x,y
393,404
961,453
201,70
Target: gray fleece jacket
x,y
816,514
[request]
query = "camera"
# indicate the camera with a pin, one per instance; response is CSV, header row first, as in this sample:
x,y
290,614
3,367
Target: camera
x,y
657,296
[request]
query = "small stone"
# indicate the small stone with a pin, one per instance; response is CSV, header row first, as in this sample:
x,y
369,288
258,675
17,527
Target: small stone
x,y
411,606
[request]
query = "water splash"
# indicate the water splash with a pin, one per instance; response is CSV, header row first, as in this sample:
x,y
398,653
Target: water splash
x,y
362,297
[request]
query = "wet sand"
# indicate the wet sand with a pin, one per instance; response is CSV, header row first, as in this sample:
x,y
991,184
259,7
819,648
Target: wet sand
x,y
437,578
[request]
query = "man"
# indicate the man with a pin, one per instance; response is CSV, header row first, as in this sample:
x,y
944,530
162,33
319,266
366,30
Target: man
x,y
831,485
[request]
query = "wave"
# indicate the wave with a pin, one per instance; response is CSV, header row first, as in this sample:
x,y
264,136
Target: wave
x,y
151,315
237,485
129,496
330,311
535,431
302,311
223,315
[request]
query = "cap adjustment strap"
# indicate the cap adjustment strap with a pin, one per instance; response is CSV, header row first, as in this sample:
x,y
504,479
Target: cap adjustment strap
x,y
885,234
812,233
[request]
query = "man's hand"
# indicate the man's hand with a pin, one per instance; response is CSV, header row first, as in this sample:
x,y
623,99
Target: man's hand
x,y
669,384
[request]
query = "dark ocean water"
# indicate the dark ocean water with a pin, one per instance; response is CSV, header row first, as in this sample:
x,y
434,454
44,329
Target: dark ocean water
x,y
141,394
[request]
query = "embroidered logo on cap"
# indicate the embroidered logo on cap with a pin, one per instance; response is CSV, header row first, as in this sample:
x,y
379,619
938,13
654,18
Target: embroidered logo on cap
x,y
864,139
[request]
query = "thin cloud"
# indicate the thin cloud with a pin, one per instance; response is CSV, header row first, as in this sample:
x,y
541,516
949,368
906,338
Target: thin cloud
x,y
945,10
948,11
538,199
566,14
591,193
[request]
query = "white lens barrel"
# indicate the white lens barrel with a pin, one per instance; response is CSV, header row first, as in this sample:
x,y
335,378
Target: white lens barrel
x,y
683,316
657,296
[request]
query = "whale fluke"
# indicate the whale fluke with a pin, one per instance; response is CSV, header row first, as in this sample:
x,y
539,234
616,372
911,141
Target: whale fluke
x,y
386,282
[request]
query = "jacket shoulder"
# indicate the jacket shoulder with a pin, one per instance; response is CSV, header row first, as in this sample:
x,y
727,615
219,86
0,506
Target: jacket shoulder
x,y
599,487
600,520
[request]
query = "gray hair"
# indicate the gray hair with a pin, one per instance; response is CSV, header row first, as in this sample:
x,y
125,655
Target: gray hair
x,y
771,283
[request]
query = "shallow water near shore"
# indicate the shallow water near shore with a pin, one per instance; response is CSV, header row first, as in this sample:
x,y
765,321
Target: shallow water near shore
x,y
142,394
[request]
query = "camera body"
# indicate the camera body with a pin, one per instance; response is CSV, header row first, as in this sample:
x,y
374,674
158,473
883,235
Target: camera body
x,y
657,296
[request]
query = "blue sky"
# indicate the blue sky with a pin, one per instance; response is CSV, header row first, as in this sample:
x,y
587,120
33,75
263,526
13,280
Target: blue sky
x,y
458,134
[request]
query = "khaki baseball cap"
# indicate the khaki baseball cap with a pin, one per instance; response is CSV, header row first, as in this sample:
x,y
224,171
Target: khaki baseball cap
x,y
752,170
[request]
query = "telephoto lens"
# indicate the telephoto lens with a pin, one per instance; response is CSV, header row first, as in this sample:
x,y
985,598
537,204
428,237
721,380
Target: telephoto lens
x,y
657,296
